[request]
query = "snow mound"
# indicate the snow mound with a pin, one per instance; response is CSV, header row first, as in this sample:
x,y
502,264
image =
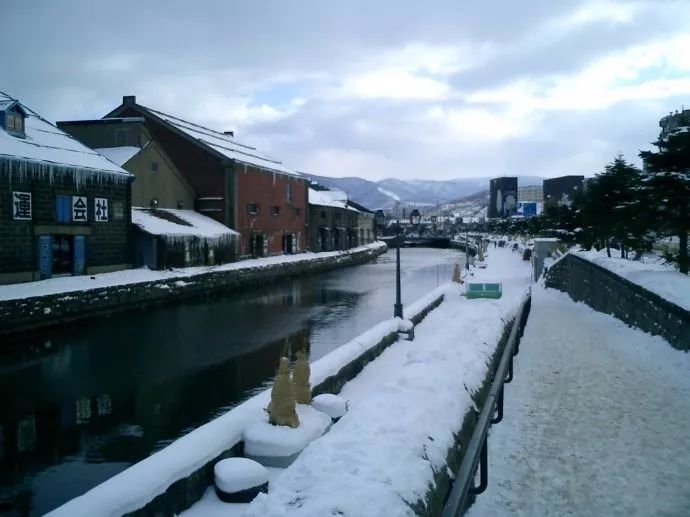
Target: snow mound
x,y
236,474
332,405
262,439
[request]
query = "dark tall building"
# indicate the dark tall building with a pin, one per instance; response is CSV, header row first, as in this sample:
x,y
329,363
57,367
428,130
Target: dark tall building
x,y
563,190
502,197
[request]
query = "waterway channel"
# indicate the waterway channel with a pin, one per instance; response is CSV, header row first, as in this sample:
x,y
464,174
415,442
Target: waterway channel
x,y
80,403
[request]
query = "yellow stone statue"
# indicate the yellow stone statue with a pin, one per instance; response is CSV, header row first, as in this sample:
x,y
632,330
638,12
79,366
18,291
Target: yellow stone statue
x,y
300,379
456,275
281,409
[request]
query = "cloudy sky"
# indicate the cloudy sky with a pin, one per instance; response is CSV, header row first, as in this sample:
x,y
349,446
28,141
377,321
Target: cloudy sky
x,y
404,89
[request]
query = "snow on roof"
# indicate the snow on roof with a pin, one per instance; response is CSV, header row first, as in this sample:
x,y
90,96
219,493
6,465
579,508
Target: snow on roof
x,y
225,144
335,198
162,221
44,142
119,155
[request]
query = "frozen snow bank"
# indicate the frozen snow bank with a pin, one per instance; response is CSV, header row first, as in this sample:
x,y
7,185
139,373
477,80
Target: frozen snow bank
x,y
657,277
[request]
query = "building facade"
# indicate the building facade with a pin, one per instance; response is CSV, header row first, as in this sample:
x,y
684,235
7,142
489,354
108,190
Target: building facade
x,y
503,193
563,190
531,194
64,208
128,143
233,183
337,223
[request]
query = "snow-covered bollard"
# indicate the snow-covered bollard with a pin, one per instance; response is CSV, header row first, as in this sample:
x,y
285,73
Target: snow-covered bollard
x,y
279,445
239,480
332,405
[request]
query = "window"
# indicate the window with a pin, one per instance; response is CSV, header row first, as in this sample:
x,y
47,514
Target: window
x,y
14,122
153,166
275,210
63,205
323,214
253,208
298,212
62,253
289,192
127,138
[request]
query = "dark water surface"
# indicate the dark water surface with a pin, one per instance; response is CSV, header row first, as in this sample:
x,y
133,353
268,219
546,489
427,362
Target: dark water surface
x,y
81,403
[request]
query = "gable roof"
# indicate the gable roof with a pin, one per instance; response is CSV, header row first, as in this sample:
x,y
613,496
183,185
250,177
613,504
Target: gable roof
x,y
45,143
220,144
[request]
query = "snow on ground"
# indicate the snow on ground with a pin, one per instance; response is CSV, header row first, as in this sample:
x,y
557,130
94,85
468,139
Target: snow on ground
x,y
135,276
596,422
404,406
655,276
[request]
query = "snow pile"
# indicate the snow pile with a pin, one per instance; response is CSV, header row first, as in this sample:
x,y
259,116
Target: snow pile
x,y
655,276
129,277
596,420
332,405
171,223
236,474
262,439
404,408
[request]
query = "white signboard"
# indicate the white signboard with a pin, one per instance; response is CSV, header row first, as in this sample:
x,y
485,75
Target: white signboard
x,y
79,209
21,206
100,209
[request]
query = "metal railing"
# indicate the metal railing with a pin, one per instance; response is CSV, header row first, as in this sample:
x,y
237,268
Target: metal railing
x,y
476,455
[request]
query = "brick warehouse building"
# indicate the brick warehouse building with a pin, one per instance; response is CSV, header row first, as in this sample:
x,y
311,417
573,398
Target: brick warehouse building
x,y
235,184
64,208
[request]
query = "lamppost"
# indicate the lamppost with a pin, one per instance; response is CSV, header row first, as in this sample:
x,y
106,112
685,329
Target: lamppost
x,y
415,217
379,219
467,247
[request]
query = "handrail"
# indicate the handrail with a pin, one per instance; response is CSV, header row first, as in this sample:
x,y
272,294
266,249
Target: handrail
x,y
477,448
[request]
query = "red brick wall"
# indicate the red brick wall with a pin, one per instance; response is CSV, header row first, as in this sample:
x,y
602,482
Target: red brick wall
x,y
269,189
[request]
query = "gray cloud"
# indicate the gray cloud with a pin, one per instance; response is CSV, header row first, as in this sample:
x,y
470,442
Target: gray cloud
x,y
360,88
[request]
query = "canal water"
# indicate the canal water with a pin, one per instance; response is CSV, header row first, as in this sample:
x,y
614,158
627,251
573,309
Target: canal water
x,y
81,403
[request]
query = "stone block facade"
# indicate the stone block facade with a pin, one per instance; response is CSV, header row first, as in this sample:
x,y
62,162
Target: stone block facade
x,y
607,292
106,242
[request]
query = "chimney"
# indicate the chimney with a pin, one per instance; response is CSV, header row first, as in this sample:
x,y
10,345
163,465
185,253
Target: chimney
x,y
229,133
129,100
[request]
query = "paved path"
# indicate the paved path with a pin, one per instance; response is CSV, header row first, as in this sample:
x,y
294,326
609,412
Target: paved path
x,y
597,420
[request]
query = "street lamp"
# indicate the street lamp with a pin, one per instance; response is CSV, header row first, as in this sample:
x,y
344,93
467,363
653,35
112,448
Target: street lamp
x,y
415,218
467,247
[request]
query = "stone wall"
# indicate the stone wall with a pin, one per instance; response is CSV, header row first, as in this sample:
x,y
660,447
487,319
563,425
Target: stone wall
x,y
32,313
607,292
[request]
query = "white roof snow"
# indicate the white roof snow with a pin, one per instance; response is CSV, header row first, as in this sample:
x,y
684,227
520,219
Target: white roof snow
x,y
335,198
119,155
198,225
44,142
225,144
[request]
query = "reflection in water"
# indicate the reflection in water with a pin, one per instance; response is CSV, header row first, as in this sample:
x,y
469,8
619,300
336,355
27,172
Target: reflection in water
x,y
81,403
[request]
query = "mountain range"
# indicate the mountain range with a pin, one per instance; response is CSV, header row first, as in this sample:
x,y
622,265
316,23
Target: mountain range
x,y
388,193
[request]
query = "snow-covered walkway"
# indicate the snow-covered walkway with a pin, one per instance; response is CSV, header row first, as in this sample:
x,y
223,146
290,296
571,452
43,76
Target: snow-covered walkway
x,y
597,420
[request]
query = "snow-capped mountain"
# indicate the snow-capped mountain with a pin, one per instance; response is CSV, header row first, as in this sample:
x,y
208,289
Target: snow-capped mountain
x,y
421,193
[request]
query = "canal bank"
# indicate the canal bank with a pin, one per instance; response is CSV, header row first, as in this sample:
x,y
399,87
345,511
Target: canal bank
x,y
58,301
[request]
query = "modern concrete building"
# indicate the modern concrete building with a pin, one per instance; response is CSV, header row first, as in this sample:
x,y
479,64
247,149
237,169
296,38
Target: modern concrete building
x,y
563,190
503,193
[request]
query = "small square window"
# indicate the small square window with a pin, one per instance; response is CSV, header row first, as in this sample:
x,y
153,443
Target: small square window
x,y
153,166
275,210
253,208
298,212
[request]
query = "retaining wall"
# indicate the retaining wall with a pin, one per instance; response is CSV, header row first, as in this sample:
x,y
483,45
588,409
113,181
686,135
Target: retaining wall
x,y
54,309
608,292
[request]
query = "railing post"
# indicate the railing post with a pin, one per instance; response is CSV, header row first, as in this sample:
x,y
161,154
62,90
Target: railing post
x,y
499,408
483,469
509,376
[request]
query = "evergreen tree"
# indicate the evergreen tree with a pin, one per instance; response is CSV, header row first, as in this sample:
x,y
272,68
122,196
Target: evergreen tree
x,y
666,179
